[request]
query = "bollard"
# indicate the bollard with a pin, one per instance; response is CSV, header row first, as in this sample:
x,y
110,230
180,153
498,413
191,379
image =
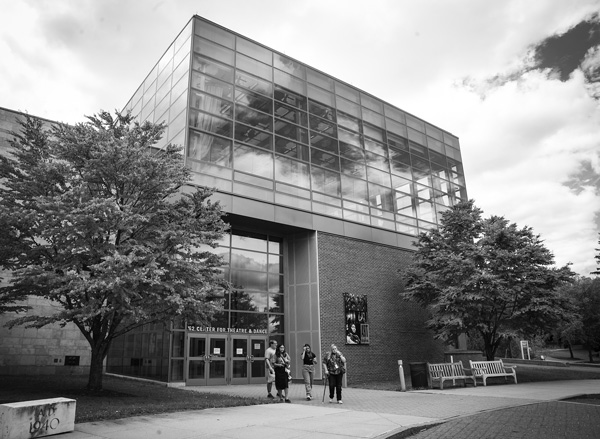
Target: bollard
x,y
401,372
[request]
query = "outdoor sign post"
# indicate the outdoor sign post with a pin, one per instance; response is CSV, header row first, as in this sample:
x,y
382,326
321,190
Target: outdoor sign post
x,y
525,346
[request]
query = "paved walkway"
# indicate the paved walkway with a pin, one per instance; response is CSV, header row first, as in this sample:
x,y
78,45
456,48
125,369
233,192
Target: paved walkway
x,y
375,414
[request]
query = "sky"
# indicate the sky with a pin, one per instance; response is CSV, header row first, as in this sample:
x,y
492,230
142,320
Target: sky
x,y
518,81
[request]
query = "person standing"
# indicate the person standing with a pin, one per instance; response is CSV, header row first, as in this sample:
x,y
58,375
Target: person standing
x,y
281,363
334,368
309,359
269,368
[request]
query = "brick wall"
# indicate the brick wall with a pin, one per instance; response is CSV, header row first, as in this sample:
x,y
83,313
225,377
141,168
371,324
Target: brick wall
x,y
397,329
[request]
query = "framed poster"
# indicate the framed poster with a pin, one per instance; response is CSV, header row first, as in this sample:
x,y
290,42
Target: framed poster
x,y
357,323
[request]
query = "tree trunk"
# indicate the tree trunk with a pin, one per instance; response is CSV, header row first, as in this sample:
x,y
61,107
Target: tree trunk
x,y
97,367
570,349
590,354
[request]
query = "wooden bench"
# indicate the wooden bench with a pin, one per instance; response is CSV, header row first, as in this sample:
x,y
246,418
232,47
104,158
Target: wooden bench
x,y
487,369
441,372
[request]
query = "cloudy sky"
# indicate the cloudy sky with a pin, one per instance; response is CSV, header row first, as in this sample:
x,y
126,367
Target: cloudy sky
x,y
518,81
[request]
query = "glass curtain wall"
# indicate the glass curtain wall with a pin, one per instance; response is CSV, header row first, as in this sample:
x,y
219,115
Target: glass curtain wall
x,y
265,126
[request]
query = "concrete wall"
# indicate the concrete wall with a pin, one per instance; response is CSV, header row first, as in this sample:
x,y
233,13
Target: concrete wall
x,y
397,330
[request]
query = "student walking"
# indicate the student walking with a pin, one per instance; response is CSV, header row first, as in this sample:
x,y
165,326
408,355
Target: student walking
x,y
269,368
309,359
281,363
334,368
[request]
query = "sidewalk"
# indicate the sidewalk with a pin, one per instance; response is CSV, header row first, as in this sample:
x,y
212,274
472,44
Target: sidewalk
x,y
364,414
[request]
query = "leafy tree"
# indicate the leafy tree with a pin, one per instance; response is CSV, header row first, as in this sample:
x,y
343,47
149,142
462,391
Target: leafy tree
x,y
97,221
584,326
486,277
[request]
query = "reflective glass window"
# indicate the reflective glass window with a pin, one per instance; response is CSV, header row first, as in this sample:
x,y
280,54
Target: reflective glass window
x,y
347,92
434,132
290,82
377,161
320,95
423,191
371,103
325,181
420,167
291,149
253,66
322,126
353,168
325,159
404,204
425,210
319,79
396,128
253,160
212,124
254,50
373,132
381,197
211,85
212,104
289,65
275,263
415,123
245,300
323,142
248,320
396,143
349,138
253,136
451,140
354,189
276,303
214,51
402,169
394,113
402,185
416,136
348,107
254,118
254,100
291,114
291,131
418,150
209,148
249,240
214,33
250,260
292,172
213,68
435,145
290,98
378,177
376,147
373,118
352,152
349,122
253,83
276,324
321,110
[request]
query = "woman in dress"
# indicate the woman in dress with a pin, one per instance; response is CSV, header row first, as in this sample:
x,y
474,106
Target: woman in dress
x,y
281,363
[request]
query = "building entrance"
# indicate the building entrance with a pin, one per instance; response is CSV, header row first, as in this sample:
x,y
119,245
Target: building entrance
x,y
220,359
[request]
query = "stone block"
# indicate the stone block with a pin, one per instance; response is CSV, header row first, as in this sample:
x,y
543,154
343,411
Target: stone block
x,y
39,418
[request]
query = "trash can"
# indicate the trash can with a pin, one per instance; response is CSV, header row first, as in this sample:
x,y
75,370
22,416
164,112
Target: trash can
x,y
418,375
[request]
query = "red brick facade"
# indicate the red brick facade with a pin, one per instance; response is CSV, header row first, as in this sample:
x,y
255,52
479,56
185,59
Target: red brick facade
x,y
397,330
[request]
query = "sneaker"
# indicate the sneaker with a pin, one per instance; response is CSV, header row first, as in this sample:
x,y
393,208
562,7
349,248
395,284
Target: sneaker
x,y
270,396
287,400
308,397
340,402
330,400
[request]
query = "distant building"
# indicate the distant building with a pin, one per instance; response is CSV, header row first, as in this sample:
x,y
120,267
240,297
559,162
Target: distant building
x,y
325,186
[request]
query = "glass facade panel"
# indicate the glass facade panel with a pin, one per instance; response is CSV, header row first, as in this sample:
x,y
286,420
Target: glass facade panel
x,y
292,172
253,161
330,139
209,148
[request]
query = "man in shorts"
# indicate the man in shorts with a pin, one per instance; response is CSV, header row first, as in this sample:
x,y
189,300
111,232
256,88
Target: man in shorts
x,y
269,367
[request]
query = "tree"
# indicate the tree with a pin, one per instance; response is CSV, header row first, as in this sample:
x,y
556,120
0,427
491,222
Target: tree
x,y
97,221
584,326
486,277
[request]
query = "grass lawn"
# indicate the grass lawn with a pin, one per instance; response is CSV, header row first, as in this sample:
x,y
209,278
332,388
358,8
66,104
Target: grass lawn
x,y
122,398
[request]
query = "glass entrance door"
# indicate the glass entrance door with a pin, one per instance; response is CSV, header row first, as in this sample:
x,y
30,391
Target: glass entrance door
x,y
214,360
247,359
